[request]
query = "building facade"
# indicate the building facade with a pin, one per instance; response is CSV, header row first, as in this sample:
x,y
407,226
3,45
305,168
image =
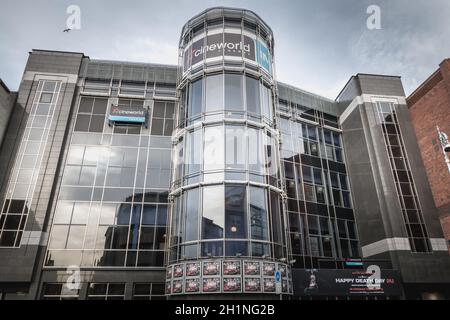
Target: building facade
x,y
211,179
429,106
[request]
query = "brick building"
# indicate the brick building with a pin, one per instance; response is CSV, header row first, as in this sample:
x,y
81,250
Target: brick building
x,y
429,106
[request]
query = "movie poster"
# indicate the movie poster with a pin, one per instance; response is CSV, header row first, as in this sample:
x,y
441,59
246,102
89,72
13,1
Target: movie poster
x,y
268,269
231,268
232,284
192,269
251,268
177,286
211,268
284,286
252,284
282,269
169,273
168,287
269,285
177,270
211,285
192,285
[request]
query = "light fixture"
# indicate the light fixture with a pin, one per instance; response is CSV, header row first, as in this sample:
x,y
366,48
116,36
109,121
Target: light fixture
x,y
292,261
238,254
233,228
283,260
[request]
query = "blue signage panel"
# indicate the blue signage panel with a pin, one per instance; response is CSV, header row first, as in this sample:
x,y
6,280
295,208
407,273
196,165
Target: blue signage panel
x,y
263,56
278,276
127,114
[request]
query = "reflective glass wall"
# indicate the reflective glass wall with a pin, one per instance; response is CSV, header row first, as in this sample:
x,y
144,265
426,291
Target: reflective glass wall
x,y
322,230
112,205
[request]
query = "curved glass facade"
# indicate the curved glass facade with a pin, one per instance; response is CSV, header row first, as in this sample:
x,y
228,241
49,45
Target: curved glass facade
x,y
226,192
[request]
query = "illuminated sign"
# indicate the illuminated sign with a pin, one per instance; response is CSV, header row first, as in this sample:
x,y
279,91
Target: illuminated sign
x,y
311,282
228,45
127,114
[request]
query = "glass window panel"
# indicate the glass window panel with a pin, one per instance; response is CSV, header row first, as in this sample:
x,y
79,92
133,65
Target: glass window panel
x,y
338,154
82,123
71,175
233,92
196,98
336,139
80,213
213,212
147,238
100,106
235,248
214,93
258,213
43,109
235,213
214,148
337,198
157,127
307,175
97,122
346,199
86,105
320,194
75,155
58,237
192,214
351,229
76,237
313,224
252,87
309,193
63,212
341,228
159,109
162,215
317,176
120,237
235,147
214,249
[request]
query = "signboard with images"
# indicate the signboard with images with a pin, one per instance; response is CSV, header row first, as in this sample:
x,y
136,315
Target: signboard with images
x,y
232,284
252,268
231,268
252,284
211,268
211,284
192,285
192,269
346,282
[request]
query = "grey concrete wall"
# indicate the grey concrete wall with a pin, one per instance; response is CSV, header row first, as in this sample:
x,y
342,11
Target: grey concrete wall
x,y
21,264
7,100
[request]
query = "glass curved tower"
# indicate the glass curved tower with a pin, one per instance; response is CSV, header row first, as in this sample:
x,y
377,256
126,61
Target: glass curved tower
x,y
227,224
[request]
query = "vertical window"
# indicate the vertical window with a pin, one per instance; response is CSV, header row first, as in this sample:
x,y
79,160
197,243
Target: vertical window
x,y
214,148
235,212
214,93
213,212
196,99
233,92
252,91
235,147
192,213
258,214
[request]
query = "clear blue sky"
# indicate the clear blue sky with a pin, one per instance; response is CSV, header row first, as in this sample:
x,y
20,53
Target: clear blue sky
x,y
318,44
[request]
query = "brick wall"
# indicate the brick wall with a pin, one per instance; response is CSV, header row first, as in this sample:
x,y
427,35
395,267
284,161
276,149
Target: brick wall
x,y
429,106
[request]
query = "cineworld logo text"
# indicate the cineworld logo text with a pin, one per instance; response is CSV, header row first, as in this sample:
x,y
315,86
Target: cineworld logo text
x,y
224,45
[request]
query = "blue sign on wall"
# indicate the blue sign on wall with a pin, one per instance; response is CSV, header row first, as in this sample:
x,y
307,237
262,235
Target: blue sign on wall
x,y
263,56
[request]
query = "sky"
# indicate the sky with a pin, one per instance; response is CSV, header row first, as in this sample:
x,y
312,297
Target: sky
x,y
319,44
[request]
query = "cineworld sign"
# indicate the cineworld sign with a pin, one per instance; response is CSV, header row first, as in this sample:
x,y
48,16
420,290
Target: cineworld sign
x,y
229,45
127,114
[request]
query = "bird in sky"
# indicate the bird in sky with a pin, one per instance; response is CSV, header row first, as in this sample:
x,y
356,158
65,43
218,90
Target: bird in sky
x,y
67,30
